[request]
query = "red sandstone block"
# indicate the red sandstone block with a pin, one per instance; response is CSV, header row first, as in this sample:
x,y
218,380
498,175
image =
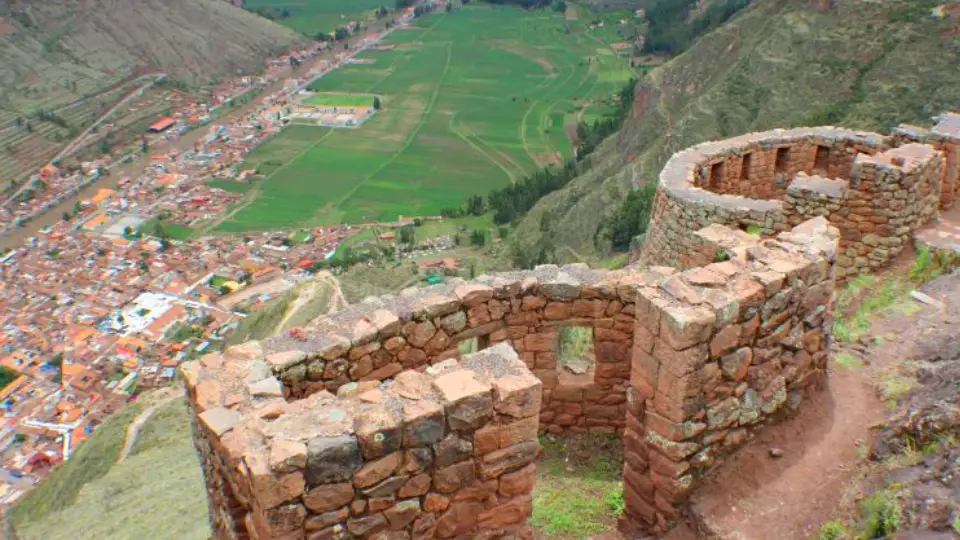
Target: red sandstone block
x,y
519,482
683,327
680,362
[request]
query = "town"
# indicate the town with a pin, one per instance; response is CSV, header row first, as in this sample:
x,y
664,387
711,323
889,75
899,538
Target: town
x,y
107,301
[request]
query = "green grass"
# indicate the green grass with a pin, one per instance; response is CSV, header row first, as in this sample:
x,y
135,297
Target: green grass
x,y
231,185
159,487
173,231
847,360
474,99
340,100
318,16
93,459
832,530
263,322
316,306
575,497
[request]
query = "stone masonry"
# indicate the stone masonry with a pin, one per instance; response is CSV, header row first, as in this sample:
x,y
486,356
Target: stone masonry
x,y
366,424
877,190
443,453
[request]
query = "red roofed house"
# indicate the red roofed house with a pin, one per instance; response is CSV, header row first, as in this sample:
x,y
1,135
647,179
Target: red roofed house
x,y
162,124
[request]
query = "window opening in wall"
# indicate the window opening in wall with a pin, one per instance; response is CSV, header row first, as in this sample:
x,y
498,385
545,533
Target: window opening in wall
x,y
716,175
745,166
575,355
822,160
474,344
783,157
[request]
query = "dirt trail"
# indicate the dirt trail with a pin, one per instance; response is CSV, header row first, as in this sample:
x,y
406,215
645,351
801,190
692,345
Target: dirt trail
x,y
133,430
824,448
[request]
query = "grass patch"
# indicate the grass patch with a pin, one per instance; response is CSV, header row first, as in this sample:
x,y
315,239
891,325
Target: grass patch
x,y
362,281
340,100
894,386
263,322
159,487
867,296
93,460
316,306
832,530
231,185
579,492
847,360
881,514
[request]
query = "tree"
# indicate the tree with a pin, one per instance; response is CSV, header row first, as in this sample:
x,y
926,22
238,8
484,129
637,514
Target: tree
x,y
449,7
128,231
143,145
631,219
56,361
376,103
407,235
159,231
65,216
144,267
76,207
478,238
560,6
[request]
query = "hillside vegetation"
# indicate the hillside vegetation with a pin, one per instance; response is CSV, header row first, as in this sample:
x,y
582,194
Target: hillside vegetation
x,y
57,51
865,65
158,487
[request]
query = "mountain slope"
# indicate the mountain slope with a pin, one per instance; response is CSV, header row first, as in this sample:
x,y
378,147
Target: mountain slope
x,y
156,492
56,51
867,65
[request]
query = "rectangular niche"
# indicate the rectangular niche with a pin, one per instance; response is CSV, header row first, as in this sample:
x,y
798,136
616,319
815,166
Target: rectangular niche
x,y
783,160
822,161
716,176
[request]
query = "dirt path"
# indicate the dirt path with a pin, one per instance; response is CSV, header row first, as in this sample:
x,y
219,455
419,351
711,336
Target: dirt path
x,y
133,430
823,469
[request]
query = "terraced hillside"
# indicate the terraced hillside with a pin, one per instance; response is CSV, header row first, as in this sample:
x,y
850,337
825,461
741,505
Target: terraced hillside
x,y
65,61
780,63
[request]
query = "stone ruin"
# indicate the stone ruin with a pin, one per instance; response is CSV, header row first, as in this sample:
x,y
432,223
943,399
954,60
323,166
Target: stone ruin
x,y
370,423
877,190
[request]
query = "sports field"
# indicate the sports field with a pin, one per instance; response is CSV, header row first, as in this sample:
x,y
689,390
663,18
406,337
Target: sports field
x,y
310,17
332,99
472,100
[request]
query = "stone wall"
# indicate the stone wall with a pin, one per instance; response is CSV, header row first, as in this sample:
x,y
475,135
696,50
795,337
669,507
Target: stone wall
x,y
768,182
442,453
377,339
717,351
944,137
369,408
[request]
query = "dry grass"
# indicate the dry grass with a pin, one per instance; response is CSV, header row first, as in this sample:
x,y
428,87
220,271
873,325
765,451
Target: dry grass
x,y
158,488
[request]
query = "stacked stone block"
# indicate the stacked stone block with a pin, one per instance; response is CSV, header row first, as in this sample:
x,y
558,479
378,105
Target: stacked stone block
x,y
379,338
443,453
718,350
876,195
945,137
691,197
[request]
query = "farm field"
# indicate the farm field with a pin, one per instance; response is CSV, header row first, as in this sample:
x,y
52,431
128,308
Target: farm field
x,y
472,100
340,100
318,15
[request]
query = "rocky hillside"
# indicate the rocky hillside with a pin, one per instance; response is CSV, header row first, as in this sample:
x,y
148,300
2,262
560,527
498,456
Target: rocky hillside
x,y
779,63
57,51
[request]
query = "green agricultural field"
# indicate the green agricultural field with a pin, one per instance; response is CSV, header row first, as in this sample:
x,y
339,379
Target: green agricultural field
x,y
316,15
472,100
340,100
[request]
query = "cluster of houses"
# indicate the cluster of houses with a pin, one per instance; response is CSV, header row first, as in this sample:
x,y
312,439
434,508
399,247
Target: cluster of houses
x,y
111,299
